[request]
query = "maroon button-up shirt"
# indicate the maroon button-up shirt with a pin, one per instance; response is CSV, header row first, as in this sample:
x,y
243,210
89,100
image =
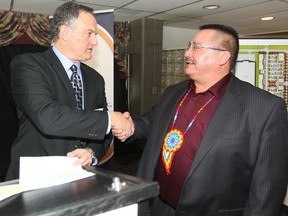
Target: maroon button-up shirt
x,y
171,184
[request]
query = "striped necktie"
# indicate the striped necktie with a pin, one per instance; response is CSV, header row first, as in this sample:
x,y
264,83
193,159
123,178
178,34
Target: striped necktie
x,y
77,86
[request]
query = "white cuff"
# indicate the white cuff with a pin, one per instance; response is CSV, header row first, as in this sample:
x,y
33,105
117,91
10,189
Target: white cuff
x,y
109,124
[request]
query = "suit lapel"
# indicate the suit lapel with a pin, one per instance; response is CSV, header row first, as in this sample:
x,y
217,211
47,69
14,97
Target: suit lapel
x,y
90,90
169,107
224,112
61,73
85,79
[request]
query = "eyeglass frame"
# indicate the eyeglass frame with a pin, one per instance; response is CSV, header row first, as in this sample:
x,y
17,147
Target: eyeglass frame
x,y
195,46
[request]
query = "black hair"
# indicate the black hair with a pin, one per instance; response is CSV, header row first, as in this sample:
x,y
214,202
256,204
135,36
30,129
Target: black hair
x,y
230,43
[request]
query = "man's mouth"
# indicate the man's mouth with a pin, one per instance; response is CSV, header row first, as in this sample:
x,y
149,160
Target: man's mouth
x,y
189,62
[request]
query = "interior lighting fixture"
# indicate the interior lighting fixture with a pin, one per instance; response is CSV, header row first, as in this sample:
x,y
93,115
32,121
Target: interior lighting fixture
x,y
267,18
211,7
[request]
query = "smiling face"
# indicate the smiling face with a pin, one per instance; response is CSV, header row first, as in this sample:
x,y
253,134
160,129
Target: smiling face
x,y
77,41
206,61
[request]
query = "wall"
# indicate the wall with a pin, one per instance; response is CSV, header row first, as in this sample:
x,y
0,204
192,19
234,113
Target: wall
x,y
175,38
145,49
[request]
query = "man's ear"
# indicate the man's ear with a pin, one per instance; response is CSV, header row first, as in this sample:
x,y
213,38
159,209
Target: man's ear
x,y
224,57
65,32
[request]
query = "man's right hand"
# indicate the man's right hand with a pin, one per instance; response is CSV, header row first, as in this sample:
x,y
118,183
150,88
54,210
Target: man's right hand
x,y
122,125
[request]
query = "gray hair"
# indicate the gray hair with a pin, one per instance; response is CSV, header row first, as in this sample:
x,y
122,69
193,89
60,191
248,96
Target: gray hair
x,y
67,14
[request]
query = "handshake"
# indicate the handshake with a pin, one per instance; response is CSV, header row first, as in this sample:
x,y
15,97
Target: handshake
x,y
122,125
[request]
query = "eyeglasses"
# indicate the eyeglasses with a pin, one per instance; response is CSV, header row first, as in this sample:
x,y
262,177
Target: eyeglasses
x,y
195,47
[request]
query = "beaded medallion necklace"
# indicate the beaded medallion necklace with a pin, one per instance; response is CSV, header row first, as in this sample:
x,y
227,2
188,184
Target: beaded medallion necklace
x,y
174,138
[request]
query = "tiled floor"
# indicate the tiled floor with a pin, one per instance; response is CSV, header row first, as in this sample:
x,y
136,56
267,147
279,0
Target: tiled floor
x,y
127,163
127,157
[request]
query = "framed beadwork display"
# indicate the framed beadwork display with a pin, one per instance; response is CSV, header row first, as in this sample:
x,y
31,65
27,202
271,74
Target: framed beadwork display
x,y
270,59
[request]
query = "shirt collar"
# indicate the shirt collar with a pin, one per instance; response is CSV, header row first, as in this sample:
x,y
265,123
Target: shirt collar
x,y
64,60
217,89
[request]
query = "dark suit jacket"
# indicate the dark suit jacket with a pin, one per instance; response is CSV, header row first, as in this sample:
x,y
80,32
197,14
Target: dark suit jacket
x,y
49,122
241,166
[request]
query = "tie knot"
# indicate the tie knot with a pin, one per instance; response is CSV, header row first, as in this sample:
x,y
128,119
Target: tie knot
x,y
73,68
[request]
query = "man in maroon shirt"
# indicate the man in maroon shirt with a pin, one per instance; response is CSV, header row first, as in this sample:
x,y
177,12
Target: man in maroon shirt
x,y
215,144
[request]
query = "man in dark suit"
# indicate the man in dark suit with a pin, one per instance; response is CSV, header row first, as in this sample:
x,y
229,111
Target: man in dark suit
x,y
216,145
50,120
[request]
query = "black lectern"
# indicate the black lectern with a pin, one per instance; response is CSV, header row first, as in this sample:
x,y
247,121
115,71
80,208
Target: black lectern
x,y
103,192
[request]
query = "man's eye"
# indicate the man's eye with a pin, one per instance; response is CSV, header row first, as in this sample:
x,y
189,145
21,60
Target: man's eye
x,y
88,34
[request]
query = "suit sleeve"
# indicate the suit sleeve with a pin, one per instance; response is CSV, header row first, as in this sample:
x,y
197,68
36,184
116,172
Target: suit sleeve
x,y
143,125
269,181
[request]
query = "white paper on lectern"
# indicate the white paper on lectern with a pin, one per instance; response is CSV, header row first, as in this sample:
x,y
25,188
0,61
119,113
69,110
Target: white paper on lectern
x,y
10,190
46,171
41,172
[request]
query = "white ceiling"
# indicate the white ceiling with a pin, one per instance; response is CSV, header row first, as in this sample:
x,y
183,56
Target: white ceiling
x,y
244,15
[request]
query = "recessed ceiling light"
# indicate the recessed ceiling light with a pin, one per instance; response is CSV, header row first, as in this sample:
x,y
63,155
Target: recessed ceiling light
x,y
211,7
267,18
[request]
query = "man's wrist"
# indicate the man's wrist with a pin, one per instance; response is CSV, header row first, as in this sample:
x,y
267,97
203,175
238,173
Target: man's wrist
x,y
94,159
